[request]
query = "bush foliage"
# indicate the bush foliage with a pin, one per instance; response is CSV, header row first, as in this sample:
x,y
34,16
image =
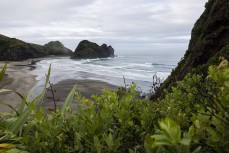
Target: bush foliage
x,y
193,117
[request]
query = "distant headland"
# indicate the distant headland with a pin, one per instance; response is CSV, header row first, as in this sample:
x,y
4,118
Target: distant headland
x,y
12,49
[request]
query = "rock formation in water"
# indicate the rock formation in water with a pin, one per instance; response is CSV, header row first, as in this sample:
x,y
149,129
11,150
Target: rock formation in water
x,y
12,49
88,50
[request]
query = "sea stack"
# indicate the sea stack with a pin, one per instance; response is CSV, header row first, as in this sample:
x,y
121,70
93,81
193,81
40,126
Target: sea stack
x,y
89,50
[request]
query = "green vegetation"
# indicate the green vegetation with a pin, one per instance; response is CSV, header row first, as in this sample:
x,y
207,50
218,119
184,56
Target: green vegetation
x,y
12,49
193,117
209,41
169,139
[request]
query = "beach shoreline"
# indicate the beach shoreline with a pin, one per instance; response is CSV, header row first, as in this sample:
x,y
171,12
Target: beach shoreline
x,y
86,88
19,79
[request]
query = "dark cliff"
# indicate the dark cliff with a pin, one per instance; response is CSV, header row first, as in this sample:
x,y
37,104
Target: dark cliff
x,y
209,41
87,49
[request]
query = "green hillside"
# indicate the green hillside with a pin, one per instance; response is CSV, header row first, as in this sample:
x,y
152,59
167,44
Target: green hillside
x,y
209,41
12,49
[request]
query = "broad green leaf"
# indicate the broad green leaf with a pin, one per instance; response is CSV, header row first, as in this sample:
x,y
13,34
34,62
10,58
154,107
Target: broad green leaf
x,y
109,140
185,142
7,145
164,126
15,150
149,144
3,71
68,99
97,144
161,138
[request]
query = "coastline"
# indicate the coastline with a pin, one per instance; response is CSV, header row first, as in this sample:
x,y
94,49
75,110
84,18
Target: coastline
x,y
85,87
18,78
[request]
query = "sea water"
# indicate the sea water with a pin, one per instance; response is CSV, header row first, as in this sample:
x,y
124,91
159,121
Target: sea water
x,y
139,69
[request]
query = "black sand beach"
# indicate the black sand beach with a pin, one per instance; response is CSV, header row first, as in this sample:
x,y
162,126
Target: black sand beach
x,y
19,79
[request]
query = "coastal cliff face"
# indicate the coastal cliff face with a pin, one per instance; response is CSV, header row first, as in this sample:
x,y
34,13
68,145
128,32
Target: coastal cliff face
x,y
209,41
12,49
87,49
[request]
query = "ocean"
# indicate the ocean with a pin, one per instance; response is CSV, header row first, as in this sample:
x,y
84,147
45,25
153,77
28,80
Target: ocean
x,y
139,69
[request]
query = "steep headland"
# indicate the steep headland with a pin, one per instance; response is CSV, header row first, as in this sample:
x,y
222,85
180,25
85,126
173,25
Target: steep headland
x,y
12,49
209,41
87,49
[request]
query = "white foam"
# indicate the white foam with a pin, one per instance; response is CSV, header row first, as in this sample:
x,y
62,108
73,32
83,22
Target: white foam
x,y
133,68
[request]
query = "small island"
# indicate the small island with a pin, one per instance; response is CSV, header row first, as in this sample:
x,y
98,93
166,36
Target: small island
x,y
89,50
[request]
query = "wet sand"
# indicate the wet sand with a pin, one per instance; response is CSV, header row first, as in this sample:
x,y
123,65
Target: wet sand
x,y
18,78
86,88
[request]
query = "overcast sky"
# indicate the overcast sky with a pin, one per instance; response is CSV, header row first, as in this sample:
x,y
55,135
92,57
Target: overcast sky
x,y
130,26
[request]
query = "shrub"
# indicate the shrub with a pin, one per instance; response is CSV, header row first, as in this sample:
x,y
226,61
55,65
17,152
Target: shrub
x,y
114,122
169,139
211,124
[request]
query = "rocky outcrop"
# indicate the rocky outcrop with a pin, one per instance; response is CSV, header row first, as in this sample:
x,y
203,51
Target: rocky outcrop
x,y
209,41
57,48
87,49
12,49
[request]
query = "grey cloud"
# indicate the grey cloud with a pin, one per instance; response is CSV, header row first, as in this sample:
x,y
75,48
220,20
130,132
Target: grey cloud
x,y
124,24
